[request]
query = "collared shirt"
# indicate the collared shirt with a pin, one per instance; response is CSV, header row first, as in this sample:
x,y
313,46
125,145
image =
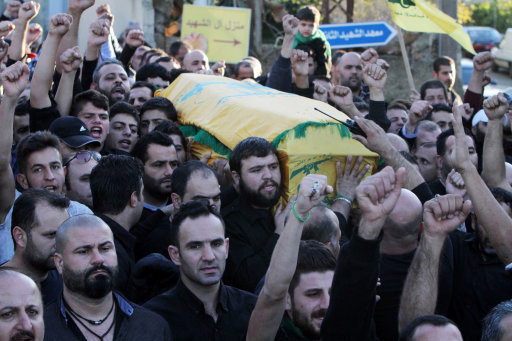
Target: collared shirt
x,y
188,320
252,238
132,323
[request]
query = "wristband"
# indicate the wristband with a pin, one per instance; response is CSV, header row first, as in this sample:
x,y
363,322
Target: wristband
x,y
297,216
343,196
344,199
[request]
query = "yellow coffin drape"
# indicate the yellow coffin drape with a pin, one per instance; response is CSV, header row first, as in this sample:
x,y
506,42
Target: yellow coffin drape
x,y
219,112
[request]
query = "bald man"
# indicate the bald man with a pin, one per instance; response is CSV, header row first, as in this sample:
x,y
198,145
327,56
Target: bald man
x,y
195,60
21,307
88,307
350,72
399,242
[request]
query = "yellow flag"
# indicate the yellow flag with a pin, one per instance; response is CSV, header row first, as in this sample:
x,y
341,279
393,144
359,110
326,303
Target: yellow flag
x,y
418,16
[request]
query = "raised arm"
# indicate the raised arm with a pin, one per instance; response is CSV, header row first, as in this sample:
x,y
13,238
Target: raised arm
x,y
497,223
441,216
350,312
43,74
377,141
70,60
419,110
14,80
27,12
375,77
493,171
266,316
299,60
280,77
75,9
481,63
341,97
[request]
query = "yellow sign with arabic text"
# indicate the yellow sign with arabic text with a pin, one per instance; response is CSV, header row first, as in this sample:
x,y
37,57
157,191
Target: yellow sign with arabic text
x,y
221,32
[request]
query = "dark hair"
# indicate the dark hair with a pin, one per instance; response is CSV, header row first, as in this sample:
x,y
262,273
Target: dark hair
x,y
441,107
94,97
170,128
181,175
96,73
336,56
309,13
397,104
192,209
144,84
140,149
501,195
444,60
175,73
441,139
174,49
152,70
491,329
113,180
432,84
24,208
308,49
32,143
251,146
313,257
434,320
122,107
238,65
322,229
22,109
150,53
162,104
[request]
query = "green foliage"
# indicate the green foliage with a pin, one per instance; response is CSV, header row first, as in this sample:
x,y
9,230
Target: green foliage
x,y
494,13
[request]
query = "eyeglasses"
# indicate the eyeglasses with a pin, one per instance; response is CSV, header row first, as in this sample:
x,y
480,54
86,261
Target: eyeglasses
x,y
84,156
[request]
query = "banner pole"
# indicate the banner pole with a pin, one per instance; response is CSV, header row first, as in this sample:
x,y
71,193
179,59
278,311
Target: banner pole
x,y
405,58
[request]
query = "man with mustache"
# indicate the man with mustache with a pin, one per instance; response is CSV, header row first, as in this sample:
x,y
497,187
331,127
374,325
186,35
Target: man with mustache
x,y
22,306
201,307
111,79
158,155
249,220
349,70
37,214
89,309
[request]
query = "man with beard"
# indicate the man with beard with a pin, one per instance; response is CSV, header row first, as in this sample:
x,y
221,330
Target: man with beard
x,y
298,281
110,79
350,73
158,155
116,187
21,307
88,308
249,220
201,307
36,216
444,71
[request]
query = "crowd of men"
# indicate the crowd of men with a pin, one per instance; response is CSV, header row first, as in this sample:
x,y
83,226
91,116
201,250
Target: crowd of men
x,y
112,230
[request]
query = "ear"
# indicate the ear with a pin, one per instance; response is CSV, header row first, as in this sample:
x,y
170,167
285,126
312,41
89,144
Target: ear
x,y
227,247
236,177
473,130
133,199
57,258
19,236
420,231
174,253
288,301
93,86
434,74
22,180
176,201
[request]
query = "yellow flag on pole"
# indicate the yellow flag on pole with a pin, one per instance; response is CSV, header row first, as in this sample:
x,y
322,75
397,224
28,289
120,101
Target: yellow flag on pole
x,y
418,16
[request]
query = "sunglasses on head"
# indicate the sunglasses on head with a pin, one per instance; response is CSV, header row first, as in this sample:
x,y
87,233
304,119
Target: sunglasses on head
x,y
84,156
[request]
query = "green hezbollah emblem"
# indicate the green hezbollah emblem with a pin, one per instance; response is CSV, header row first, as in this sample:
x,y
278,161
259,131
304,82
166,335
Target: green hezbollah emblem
x,y
307,169
403,3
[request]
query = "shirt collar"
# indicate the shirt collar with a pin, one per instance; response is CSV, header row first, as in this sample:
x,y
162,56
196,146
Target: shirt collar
x,y
195,303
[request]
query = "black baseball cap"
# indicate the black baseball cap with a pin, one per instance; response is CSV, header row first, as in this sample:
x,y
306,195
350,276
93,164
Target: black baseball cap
x,y
73,132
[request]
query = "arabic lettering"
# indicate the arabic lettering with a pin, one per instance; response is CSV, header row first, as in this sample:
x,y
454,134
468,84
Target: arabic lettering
x,y
217,24
356,33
